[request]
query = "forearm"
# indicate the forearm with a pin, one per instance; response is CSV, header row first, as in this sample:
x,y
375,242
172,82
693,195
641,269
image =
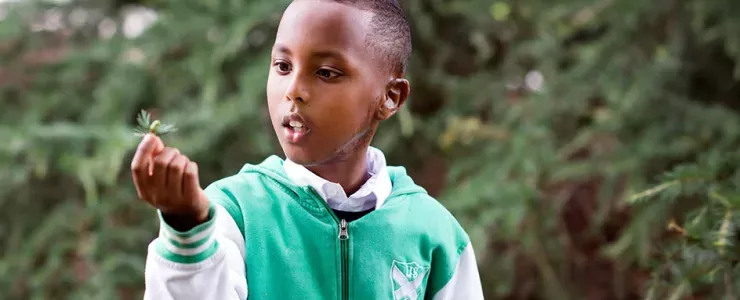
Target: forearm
x,y
206,262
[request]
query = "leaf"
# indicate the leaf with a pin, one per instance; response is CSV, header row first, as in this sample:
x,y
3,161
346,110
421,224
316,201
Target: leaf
x,y
144,119
146,125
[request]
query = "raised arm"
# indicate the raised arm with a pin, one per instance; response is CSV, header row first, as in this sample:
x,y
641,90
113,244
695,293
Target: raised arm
x,y
199,253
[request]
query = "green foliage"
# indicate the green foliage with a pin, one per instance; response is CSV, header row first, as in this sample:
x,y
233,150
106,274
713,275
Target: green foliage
x,y
146,125
588,147
702,255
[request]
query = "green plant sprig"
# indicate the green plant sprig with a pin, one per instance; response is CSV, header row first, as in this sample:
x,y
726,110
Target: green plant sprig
x,y
146,125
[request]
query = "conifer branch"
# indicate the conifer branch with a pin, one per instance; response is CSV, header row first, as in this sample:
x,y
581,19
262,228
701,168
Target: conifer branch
x,y
146,125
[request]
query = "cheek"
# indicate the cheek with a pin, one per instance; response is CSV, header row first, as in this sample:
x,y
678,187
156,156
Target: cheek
x,y
350,112
274,89
275,93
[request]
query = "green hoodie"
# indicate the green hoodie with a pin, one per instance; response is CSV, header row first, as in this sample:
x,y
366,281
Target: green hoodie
x,y
293,246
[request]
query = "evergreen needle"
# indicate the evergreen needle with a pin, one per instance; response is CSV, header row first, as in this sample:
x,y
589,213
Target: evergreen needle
x,y
146,125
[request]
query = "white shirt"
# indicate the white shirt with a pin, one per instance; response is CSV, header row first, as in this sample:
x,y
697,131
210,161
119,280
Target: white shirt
x,y
372,194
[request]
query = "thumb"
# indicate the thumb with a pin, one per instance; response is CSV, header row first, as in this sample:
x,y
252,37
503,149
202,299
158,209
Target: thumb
x,y
153,145
150,145
156,142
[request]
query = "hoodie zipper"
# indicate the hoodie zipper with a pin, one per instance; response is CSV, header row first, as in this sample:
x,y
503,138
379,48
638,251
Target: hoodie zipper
x,y
343,245
344,241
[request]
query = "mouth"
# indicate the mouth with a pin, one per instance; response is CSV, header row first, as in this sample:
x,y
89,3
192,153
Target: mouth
x,y
295,128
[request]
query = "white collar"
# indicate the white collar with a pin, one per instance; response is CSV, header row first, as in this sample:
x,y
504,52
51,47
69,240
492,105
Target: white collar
x,y
372,194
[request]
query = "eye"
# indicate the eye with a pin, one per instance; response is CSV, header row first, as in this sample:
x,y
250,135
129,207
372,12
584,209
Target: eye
x,y
328,74
282,67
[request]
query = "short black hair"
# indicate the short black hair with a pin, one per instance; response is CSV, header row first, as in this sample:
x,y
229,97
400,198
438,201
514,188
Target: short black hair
x,y
390,35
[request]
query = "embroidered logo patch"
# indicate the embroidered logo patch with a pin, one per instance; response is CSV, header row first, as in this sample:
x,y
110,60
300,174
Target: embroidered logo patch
x,y
407,279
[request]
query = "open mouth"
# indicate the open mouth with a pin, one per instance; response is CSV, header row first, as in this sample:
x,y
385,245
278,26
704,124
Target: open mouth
x,y
295,128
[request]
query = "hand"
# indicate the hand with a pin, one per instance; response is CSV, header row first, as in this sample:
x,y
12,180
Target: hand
x,y
168,181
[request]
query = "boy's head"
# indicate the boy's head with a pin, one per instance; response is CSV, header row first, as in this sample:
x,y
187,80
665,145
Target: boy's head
x,y
337,69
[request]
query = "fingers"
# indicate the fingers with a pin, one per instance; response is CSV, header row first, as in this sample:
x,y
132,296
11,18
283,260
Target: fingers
x,y
175,176
141,163
191,183
166,179
158,148
161,163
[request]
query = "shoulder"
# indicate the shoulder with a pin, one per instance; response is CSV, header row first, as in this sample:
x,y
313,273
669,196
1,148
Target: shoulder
x,y
254,183
436,218
422,210
238,183
429,222
252,180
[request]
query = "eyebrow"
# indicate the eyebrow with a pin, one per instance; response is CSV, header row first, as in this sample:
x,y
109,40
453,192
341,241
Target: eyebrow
x,y
281,49
318,54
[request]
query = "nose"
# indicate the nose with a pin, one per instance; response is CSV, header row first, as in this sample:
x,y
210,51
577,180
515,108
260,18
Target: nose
x,y
296,91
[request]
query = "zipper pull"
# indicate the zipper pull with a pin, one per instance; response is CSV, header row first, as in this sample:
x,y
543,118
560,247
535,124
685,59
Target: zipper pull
x,y
343,233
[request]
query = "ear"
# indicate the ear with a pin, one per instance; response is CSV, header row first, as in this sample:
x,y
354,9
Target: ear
x,y
396,94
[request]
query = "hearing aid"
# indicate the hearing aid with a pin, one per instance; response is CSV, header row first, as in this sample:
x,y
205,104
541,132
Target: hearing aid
x,y
389,104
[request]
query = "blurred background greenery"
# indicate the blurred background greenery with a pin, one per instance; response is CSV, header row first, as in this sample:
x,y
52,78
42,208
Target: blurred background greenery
x,y
590,148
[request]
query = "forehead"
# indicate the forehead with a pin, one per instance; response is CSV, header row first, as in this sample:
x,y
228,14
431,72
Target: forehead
x,y
324,26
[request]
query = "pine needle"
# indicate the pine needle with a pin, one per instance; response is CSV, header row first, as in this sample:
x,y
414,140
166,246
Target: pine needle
x,y
722,199
723,236
146,125
652,191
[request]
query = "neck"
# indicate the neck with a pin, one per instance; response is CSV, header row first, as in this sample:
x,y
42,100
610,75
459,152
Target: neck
x,y
349,172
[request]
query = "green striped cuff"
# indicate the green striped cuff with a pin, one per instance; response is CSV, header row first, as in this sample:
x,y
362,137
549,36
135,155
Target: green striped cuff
x,y
192,246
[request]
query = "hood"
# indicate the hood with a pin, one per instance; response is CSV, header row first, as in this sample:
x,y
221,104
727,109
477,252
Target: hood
x,y
272,167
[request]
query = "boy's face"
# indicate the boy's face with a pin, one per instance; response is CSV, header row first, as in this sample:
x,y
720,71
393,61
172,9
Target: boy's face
x,y
324,89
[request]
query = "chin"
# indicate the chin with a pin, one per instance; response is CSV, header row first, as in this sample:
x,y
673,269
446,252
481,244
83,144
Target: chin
x,y
300,155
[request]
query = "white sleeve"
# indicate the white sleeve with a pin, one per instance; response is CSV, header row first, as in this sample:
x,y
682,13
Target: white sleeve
x,y
205,263
465,282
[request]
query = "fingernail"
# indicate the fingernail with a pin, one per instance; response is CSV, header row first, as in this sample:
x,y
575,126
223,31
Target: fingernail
x,y
144,141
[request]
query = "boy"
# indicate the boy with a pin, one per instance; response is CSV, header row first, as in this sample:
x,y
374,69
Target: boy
x,y
285,229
